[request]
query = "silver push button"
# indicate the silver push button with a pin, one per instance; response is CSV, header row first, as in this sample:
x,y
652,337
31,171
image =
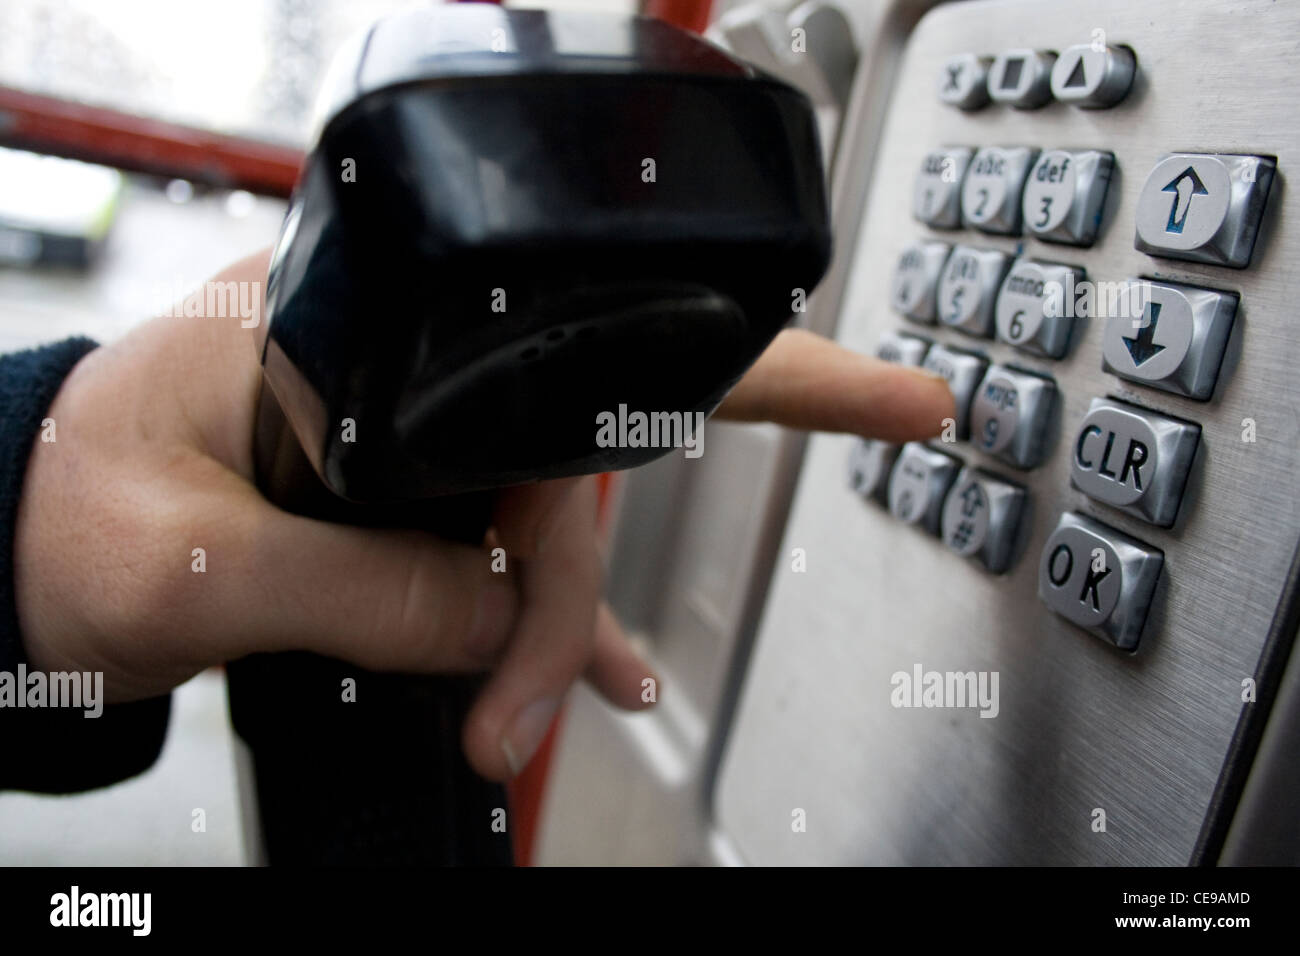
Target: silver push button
x,y
1065,194
1204,208
918,483
1036,307
1093,79
963,81
1134,460
901,348
969,288
915,278
1010,415
870,462
1022,78
1177,341
936,195
1099,578
980,518
995,182
963,372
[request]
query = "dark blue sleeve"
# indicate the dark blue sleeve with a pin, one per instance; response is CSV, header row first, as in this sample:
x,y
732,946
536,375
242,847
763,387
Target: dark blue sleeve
x,y
53,750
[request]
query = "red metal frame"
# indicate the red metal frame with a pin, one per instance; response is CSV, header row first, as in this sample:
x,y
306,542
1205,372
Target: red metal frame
x,y
46,124
690,15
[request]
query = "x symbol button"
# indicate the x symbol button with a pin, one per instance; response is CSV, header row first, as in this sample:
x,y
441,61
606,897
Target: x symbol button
x,y
963,81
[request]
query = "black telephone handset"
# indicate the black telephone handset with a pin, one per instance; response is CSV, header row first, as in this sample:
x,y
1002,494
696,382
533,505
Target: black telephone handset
x,y
510,222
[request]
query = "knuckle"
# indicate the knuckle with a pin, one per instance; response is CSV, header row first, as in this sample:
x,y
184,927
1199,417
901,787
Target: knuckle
x,y
432,612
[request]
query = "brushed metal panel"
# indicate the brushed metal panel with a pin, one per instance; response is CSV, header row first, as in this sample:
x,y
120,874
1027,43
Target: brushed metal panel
x,y
1081,726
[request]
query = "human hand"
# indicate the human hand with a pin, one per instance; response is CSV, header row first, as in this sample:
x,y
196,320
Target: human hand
x,y
154,458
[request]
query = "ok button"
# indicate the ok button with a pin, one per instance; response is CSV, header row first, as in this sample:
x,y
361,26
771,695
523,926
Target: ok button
x,y
1099,578
1133,459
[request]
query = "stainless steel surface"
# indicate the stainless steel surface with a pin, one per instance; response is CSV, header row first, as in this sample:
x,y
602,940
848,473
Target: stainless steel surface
x,y
1174,342
1011,415
1265,830
994,187
963,371
1093,76
1066,193
1099,578
916,278
1027,316
1082,727
1203,208
981,517
1133,459
936,194
969,288
1022,78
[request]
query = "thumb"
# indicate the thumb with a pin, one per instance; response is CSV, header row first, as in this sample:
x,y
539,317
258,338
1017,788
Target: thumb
x,y
382,599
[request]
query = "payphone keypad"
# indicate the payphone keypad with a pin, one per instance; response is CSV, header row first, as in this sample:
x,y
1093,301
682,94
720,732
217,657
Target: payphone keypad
x,y
1169,336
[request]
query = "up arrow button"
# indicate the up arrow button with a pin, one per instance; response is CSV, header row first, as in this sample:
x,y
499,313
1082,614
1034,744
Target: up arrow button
x,y
1182,204
1204,208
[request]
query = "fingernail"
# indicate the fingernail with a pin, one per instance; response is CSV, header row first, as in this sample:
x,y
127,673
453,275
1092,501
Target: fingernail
x,y
494,618
521,741
926,374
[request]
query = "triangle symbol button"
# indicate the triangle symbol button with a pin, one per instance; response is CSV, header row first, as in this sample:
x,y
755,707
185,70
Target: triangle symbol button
x,y
1076,76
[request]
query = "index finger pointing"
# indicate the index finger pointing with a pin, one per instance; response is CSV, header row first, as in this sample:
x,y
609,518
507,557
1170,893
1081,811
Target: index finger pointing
x,y
804,380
